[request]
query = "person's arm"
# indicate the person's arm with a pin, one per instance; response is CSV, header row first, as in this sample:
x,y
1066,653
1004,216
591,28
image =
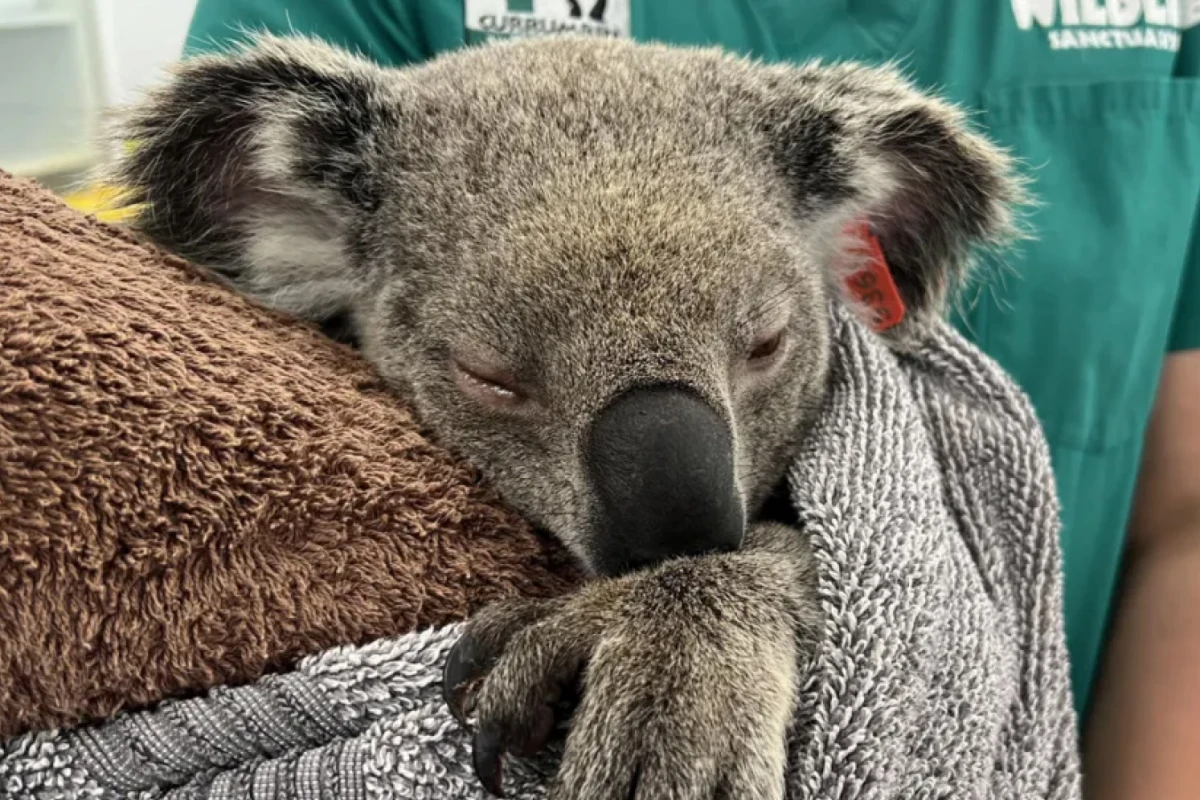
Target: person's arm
x,y
1143,735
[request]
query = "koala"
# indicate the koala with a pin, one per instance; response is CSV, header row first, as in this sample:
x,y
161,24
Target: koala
x,y
602,272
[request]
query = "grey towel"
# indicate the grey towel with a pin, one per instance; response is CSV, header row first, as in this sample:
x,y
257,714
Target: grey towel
x,y
927,492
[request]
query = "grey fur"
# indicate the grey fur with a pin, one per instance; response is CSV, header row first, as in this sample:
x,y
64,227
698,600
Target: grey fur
x,y
585,216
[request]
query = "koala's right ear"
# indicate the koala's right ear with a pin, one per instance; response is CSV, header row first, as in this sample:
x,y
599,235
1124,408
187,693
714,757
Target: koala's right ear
x,y
864,141
257,164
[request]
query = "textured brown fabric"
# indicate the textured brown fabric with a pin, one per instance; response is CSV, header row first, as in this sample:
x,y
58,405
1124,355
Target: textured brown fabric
x,y
194,490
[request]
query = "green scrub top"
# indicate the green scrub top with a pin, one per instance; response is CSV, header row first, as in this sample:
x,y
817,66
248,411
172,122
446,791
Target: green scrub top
x,y
1098,98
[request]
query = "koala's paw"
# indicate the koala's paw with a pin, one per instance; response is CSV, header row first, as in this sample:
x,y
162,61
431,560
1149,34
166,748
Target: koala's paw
x,y
686,675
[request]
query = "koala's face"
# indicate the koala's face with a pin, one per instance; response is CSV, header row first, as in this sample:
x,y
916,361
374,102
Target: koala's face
x,y
628,356
601,271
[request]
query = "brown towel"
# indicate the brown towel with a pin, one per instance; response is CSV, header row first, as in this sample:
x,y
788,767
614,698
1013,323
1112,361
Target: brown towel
x,y
194,490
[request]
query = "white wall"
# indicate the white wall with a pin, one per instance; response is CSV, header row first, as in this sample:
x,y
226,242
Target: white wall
x,y
139,38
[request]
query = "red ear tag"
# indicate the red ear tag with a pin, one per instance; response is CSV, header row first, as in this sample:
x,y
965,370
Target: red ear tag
x,y
873,285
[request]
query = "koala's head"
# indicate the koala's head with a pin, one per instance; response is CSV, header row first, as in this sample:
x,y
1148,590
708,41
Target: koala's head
x,y
600,271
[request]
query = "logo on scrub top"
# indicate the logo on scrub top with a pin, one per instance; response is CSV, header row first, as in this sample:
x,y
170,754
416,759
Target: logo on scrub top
x,y
1108,24
545,17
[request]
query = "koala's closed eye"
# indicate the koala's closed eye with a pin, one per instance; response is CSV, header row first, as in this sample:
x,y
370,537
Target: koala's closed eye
x,y
766,351
489,384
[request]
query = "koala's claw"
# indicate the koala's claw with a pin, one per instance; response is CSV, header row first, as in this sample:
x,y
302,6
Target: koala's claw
x,y
476,652
465,668
471,660
492,743
487,755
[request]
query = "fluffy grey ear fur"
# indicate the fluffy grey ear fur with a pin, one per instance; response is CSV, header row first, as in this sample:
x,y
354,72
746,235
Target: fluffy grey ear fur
x,y
257,164
864,140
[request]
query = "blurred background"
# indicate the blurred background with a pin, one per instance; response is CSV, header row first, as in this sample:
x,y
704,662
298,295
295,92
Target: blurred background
x,y
63,63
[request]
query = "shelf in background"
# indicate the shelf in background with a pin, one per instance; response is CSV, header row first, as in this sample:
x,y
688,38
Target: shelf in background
x,y
23,20
54,164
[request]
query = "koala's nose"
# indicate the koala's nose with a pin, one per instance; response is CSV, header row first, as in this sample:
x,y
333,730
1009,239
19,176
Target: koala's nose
x,y
660,461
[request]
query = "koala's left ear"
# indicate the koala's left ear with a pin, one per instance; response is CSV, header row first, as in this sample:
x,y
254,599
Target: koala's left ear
x,y
862,144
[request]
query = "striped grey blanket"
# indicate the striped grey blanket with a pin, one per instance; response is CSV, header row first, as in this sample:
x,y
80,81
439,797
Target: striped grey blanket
x,y
927,492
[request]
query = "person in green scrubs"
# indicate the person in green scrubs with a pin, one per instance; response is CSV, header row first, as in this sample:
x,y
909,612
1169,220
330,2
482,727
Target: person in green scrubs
x,y
1098,319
